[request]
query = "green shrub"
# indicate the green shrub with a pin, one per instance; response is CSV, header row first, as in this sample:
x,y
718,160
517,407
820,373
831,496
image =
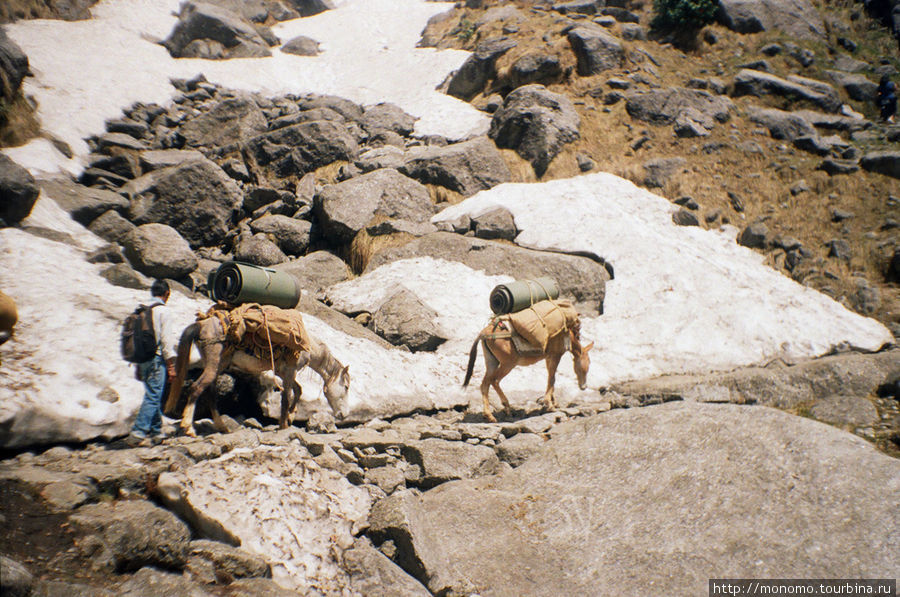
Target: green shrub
x,y
681,15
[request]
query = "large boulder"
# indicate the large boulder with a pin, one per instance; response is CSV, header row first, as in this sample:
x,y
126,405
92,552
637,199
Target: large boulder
x,y
301,46
387,117
13,67
404,320
664,106
596,50
303,147
783,125
467,167
134,534
857,86
83,203
229,121
534,67
628,497
796,18
760,84
579,278
346,208
536,123
442,460
290,234
882,162
201,23
308,8
197,198
157,250
18,191
258,249
479,68
317,270
373,574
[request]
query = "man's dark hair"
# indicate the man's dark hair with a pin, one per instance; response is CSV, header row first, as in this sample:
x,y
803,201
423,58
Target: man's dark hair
x,y
159,288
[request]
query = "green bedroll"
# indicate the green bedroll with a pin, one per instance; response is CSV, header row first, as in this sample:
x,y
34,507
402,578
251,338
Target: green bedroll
x,y
521,294
236,283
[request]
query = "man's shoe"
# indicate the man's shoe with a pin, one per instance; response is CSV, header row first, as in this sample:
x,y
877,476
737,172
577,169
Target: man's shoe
x,y
136,440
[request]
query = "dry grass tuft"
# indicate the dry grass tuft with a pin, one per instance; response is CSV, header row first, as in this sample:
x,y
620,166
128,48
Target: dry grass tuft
x,y
329,174
365,246
441,195
18,124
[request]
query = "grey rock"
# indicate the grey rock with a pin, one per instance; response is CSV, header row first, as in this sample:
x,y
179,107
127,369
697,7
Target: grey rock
x,y
882,162
291,235
123,275
344,107
683,217
833,122
466,167
111,226
443,461
303,147
797,18
866,298
633,32
124,165
858,87
836,166
752,475
495,224
839,248
157,250
258,250
149,582
110,141
18,191
258,587
404,320
374,575
519,448
386,117
197,198
15,579
596,50
308,8
227,122
157,159
137,533
850,65
664,106
760,84
657,172
301,46
783,125
534,67
585,7
83,204
229,562
479,68
585,163
202,21
346,208
317,270
110,253
755,236
580,278
536,123
387,478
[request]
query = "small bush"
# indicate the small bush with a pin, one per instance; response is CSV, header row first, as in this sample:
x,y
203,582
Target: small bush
x,y
681,15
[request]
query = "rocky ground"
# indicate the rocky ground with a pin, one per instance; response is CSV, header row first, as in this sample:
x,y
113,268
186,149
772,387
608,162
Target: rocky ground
x,y
326,189
105,518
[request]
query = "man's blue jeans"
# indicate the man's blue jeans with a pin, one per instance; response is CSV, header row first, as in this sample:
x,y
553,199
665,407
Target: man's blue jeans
x,y
149,417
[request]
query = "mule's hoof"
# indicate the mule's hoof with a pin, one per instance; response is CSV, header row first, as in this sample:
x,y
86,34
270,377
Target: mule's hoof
x,y
490,418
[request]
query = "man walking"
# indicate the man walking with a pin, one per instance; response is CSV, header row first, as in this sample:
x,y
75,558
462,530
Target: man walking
x,y
155,371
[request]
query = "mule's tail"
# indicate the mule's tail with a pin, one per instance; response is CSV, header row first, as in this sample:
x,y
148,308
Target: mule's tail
x,y
181,364
471,366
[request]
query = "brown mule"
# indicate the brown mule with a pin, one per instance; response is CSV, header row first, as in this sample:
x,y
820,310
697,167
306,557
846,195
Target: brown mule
x,y
501,357
219,355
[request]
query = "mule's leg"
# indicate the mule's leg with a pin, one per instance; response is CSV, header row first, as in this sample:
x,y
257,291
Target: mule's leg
x,y
212,361
502,371
552,364
214,411
490,368
302,362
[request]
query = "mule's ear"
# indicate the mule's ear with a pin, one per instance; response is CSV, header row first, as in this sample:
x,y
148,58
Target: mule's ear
x,y
588,347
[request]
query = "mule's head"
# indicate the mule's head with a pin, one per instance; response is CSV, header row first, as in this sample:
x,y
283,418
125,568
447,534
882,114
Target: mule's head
x,y
336,389
582,362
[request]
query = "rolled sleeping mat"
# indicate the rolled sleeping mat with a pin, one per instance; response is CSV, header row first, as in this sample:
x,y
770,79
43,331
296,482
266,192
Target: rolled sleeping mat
x,y
521,294
236,283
